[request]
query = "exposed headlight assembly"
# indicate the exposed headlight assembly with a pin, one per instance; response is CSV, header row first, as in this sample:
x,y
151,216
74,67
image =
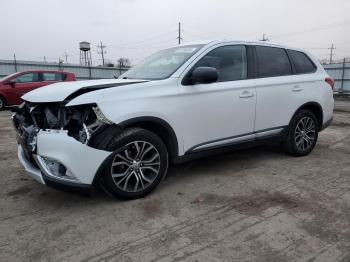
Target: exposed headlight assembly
x,y
100,116
83,121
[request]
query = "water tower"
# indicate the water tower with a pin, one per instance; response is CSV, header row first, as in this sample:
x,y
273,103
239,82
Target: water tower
x,y
85,53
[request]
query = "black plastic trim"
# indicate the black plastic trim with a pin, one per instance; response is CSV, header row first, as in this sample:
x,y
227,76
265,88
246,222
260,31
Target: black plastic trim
x,y
275,140
291,62
66,186
251,60
326,124
236,142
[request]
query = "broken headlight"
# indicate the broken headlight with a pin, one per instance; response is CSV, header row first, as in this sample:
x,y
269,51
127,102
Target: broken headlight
x,y
84,121
100,116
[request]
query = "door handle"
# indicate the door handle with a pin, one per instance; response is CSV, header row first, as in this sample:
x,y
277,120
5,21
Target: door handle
x,y
246,94
297,88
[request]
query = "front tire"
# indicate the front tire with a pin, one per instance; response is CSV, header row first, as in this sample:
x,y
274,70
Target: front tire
x,y
2,103
302,134
139,162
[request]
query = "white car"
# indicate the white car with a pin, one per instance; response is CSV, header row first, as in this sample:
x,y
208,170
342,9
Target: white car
x,y
181,103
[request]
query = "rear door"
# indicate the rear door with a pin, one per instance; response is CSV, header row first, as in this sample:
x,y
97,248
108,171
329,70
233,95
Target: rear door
x,y
52,77
279,92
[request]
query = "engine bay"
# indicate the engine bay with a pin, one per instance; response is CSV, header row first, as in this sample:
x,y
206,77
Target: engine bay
x,y
81,122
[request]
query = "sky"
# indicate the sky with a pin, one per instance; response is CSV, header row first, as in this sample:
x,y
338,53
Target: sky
x,y
134,29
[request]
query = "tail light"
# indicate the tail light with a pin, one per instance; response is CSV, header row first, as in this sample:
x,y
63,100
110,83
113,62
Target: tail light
x,y
330,81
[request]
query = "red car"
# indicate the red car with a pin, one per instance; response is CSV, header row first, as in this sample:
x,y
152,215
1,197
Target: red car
x,y
12,87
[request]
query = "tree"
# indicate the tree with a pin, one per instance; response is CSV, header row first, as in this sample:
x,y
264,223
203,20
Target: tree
x,y
123,63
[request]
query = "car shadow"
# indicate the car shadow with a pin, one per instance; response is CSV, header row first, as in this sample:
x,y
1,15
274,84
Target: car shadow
x,y
236,160
196,169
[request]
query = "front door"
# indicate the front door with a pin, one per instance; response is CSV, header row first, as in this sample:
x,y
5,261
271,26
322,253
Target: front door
x,y
24,83
223,112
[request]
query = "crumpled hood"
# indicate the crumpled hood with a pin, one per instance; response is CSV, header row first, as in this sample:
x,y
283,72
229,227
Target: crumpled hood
x,y
62,91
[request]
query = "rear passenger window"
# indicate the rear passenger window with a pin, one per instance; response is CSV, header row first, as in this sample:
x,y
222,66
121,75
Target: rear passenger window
x,y
272,61
302,63
53,77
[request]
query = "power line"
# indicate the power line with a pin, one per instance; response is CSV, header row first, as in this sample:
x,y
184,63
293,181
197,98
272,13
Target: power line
x,y
310,30
145,46
143,41
194,35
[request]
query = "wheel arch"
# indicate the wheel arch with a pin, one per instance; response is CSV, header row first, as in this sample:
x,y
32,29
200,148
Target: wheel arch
x,y
3,97
315,108
158,126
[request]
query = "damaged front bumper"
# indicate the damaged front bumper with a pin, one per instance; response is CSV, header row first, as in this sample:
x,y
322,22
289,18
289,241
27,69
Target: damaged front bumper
x,y
58,146
61,161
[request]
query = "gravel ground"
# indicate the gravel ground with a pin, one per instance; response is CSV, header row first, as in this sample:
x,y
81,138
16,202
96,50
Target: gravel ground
x,y
251,205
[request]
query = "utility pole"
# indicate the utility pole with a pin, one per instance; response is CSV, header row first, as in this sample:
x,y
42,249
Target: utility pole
x,y
66,57
60,61
120,62
15,60
179,35
331,54
342,76
102,52
264,38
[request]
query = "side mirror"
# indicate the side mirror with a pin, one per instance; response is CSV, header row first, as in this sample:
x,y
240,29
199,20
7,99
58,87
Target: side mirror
x,y
204,75
11,82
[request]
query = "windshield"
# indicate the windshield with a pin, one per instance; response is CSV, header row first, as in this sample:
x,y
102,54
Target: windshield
x,y
163,64
7,77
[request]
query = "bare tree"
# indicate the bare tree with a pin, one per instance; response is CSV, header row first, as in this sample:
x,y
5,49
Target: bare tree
x,y
124,63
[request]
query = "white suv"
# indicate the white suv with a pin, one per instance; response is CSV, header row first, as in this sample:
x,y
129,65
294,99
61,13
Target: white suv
x,y
182,102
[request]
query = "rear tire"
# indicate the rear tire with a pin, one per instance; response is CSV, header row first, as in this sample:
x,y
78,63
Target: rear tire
x,y
302,134
139,162
2,103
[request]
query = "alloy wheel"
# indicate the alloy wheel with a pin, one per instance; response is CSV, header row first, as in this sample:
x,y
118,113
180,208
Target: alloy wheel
x,y
136,167
305,133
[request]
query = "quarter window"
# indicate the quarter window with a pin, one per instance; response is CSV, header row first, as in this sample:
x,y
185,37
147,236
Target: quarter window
x,y
229,61
272,61
302,63
28,78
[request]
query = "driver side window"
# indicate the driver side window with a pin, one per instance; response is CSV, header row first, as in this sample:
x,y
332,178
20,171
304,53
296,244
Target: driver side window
x,y
229,61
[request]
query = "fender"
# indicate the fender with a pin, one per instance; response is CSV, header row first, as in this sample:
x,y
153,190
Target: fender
x,y
170,140
319,114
